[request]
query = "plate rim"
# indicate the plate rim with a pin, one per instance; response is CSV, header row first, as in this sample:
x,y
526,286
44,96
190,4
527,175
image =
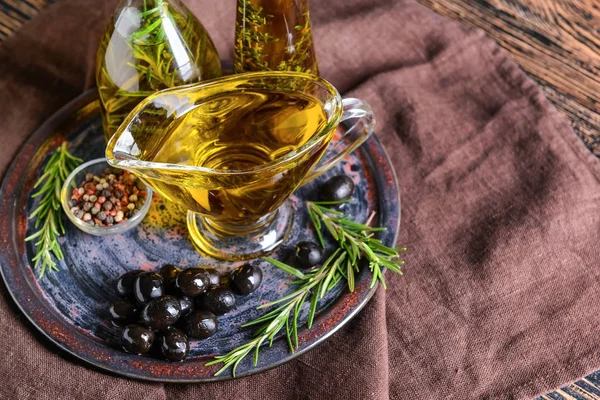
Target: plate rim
x,y
41,137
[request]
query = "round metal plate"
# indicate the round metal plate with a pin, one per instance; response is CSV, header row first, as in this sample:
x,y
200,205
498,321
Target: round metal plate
x,y
70,306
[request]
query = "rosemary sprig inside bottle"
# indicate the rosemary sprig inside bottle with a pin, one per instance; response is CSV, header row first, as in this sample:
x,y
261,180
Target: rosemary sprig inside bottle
x,y
168,47
47,213
356,242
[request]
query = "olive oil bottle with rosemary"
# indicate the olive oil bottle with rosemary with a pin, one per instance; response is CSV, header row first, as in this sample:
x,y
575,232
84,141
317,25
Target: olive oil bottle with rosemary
x,y
274,35
150,45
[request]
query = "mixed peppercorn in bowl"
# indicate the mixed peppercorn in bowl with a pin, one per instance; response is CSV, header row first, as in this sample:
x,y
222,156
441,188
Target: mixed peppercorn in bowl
x,y
101,200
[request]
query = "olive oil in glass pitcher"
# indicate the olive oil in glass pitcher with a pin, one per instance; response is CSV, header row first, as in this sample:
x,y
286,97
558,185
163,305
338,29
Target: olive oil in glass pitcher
x,y
233,150
150,45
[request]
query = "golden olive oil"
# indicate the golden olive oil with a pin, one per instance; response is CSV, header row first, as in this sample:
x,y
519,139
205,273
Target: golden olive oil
x,y
148,46
274,35
232,131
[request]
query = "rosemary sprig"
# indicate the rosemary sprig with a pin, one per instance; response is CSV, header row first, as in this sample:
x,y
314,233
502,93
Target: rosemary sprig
x,y
356,242
152,65
47,213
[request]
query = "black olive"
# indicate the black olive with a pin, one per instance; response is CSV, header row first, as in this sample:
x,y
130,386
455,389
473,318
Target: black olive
x,y
338,188
245,279
192,282
161,312
137,339
213,276
219,300
174,344
126,281
148,286
200,324
120,324
169,274
123,310
308,254
187,305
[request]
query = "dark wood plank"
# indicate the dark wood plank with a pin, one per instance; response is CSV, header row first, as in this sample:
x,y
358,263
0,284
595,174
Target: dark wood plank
x,y
556,41
14,13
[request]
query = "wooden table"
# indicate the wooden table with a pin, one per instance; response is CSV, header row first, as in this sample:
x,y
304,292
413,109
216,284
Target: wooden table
x,y
557,42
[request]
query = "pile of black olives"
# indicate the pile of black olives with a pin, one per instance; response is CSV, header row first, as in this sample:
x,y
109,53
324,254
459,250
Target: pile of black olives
x,y
161,310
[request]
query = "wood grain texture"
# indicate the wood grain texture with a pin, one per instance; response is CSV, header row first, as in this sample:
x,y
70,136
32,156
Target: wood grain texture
x,y
14,13
557,42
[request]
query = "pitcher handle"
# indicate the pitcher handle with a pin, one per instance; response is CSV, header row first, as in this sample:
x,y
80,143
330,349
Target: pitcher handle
x,y
357,123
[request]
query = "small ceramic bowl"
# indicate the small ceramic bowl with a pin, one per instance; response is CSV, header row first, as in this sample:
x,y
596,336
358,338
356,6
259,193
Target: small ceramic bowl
x,y
98,167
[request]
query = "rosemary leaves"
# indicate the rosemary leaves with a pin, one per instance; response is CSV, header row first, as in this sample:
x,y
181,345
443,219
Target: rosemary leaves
x,y
356,242
47,213
149,46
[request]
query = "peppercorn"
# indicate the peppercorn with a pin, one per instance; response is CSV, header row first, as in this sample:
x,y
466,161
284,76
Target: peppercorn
x,y
108,199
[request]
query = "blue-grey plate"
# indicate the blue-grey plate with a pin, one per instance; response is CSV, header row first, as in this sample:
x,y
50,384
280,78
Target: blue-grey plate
x,y
70,307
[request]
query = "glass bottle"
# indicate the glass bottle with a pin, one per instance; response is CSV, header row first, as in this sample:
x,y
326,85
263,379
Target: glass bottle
x,y
274,35
149,45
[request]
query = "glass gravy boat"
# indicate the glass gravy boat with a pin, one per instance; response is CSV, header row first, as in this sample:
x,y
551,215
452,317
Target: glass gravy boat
x,y
232,151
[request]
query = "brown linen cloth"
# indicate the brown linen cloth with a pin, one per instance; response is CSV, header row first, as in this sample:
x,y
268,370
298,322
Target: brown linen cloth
x,y
501,296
